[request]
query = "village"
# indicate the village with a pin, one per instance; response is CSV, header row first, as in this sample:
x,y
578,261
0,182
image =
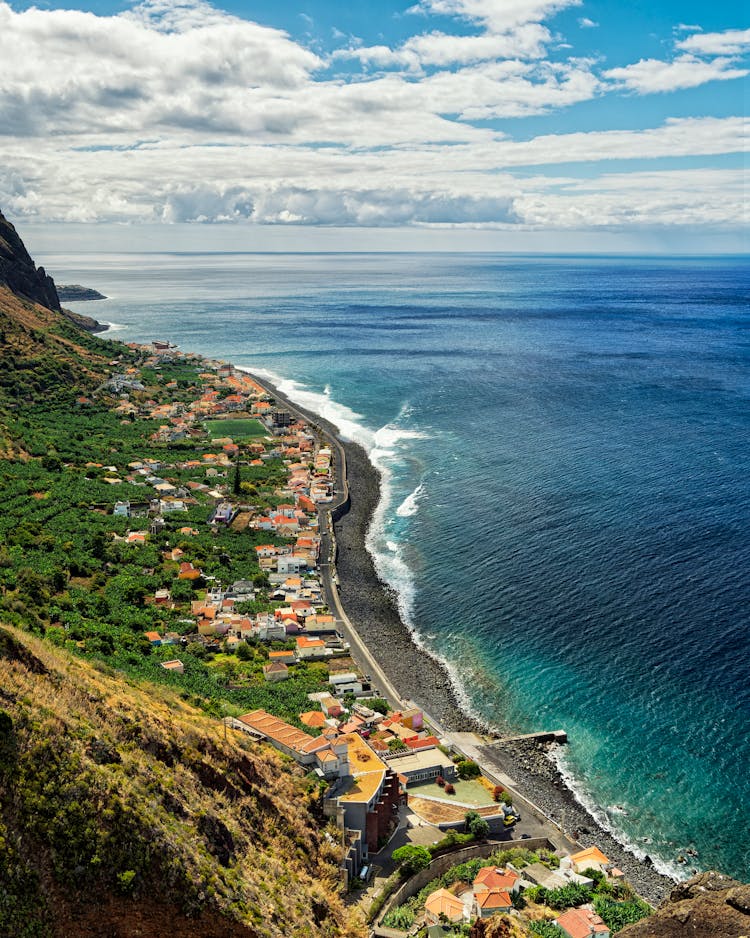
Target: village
x,y
407,798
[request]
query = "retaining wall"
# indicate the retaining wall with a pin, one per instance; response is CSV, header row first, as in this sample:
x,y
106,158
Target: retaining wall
x,y
445,861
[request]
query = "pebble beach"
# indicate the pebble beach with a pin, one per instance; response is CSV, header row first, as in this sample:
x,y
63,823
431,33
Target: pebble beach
x,y
372,607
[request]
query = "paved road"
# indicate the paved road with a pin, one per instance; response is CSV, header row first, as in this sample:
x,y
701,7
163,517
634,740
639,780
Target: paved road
x,y
359,650
534,823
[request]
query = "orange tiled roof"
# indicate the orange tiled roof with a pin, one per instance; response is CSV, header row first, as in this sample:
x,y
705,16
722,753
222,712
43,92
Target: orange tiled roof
x,y
581,923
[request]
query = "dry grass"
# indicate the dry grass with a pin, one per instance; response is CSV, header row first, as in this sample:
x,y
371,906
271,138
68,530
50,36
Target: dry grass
x,y
188,791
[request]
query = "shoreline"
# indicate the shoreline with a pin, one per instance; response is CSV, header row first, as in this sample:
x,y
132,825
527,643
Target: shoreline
x,y
420,677
373,607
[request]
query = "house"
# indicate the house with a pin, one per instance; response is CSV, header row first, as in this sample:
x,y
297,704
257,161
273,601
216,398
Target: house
x,y
223,514
589,859
175,666
492,901
153,637
582,923
162,597
291,564
330,706
327,756
443,904
310,647
285,657
275,671
494,889
413,718
346,683
188,572
423,765
493,877
422,742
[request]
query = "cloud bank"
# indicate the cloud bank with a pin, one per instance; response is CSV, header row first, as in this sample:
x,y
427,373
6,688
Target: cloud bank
x,y
181,112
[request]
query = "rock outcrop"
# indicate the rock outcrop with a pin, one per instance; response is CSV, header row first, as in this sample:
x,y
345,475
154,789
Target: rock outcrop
x,y
75,293
710,905
19,272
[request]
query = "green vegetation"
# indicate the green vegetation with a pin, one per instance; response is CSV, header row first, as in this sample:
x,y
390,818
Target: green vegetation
x,y
465,872
411,859
476,825
468,769
64,574
545,929
614,902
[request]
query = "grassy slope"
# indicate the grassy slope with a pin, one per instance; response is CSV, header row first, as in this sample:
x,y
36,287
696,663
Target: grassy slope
x,y
121,791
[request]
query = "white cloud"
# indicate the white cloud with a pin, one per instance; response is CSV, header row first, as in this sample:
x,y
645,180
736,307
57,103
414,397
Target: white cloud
x,y
730,42
585,23
439,49
636,200
496,15
686,71
178,112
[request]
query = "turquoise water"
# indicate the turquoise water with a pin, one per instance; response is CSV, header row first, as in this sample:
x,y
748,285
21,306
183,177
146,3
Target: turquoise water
x,y
564,443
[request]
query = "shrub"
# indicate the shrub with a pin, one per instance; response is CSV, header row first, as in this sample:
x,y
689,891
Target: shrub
x,y
468,769
617,915
450,789
126,881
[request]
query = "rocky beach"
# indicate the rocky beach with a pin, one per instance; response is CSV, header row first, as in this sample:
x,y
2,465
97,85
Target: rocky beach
x,y
532,767
372,607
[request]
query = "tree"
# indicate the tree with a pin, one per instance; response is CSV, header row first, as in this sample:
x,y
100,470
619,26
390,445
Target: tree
x,y
396,745
237,479
244,652
412,858
378,704
479,828
469,818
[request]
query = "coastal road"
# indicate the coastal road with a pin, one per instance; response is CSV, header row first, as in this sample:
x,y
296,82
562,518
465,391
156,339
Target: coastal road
x,y
534,822
327,561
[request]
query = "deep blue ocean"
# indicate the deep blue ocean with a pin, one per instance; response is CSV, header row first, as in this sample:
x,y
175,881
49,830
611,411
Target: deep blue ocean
x,y
566,463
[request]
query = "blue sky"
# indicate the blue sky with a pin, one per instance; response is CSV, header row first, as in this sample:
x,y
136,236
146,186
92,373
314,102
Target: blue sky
x,y
508,124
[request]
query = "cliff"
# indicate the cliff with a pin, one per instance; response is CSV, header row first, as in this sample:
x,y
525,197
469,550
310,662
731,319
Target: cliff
x,y
20,274
44,349
710,905
74,292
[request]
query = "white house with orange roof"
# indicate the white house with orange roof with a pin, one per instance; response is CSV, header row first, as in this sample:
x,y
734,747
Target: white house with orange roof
x,y
310,647
494,889
590,859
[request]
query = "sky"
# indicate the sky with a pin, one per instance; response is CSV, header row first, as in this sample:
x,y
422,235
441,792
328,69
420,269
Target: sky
x,y
556,125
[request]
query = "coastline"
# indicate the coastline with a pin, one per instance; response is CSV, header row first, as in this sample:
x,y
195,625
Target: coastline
x,y
419,677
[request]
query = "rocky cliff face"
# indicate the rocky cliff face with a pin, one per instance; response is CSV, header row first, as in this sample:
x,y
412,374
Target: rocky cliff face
x,y
710,905
19,273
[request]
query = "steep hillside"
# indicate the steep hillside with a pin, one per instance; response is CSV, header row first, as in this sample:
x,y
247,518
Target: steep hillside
x,y
19,272
43,348
124,812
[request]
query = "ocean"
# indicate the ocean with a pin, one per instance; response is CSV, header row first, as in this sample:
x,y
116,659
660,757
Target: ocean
x,y
563,443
